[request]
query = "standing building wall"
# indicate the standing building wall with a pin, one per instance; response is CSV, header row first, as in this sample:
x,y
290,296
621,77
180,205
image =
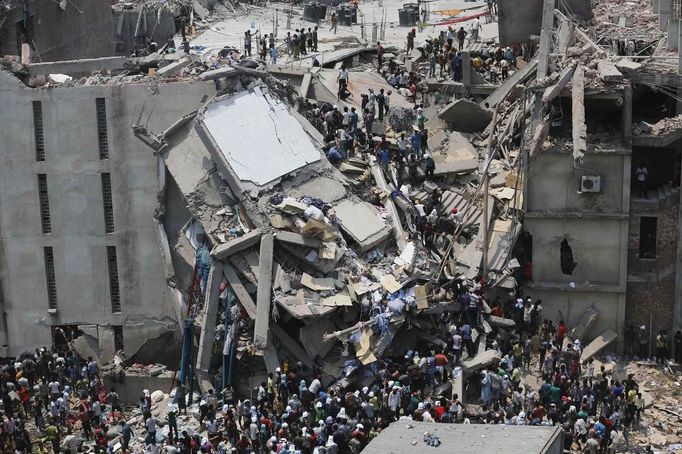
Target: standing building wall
x,y
81,247
595,225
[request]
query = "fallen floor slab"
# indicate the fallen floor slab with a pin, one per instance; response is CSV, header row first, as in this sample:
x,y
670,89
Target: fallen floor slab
x,y
360,221
598,344
466,116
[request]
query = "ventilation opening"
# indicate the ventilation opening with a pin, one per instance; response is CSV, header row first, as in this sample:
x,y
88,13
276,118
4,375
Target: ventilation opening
x,y
113,279
38,130
102,129
50,278
647,237
118,338
567,262
108,203
45,219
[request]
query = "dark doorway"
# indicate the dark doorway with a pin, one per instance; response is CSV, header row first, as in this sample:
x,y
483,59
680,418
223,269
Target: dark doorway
x,y
647,237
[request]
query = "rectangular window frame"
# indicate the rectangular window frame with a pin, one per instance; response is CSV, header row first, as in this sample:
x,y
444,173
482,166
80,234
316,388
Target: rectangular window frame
x,y
108,204
38,132
50,277
102,132
44,204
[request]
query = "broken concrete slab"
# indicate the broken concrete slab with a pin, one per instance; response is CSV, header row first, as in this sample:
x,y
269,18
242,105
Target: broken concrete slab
x,y
174,68
310,335
292,346
501,322
460,156
466,116
263,297
598,344
297,239
361,222
628,67
587,319
608,72
471,365
318,284
239,290
222,251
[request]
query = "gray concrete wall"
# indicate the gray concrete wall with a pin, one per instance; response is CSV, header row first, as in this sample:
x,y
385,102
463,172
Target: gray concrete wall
x,y
518,20
157,27
73,173
596,226
558,183
83,30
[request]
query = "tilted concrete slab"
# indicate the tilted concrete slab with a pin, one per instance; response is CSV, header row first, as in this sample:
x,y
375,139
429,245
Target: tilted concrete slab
x,y
360,221
598,344
297,239
459,157
466,116
291,345
239,290
223,251
471,365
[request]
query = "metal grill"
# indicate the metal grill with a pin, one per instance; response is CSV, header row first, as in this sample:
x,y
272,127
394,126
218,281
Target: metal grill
x,y
50,278
108,203
102,129
45,219
38,130
113,279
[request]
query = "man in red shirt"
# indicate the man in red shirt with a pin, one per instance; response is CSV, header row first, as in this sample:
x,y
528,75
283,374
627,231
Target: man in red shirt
x,y
560,334
441,362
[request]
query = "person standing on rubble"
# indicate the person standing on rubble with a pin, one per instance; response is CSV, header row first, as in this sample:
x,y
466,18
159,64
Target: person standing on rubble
x,y
333,21
381,99
461,34
247,43
273,55
289,43
342,78
380,56
410,40
661,347
315,39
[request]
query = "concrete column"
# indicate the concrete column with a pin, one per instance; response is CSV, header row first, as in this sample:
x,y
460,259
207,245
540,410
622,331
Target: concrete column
x,y
655,6
663,10
215,277
677,308
673,33
264,295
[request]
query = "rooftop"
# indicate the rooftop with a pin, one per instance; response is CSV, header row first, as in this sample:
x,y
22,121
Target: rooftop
x,y
407,436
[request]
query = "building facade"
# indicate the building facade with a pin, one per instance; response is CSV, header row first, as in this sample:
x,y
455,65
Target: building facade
x,y
79,242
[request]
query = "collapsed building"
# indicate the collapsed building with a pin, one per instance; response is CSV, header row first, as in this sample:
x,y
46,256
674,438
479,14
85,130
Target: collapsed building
x,y
220,214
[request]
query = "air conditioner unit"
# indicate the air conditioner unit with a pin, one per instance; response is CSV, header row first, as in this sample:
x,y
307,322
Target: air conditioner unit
x,y
590,183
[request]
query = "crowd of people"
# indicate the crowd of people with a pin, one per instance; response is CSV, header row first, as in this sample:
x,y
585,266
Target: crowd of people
x,y
55,401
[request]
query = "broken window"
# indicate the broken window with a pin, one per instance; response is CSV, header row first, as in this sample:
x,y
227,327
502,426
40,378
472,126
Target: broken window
x,y
102,129
647,237
112,265
108,203
50,278
43,198
567,262
38,130
118,338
